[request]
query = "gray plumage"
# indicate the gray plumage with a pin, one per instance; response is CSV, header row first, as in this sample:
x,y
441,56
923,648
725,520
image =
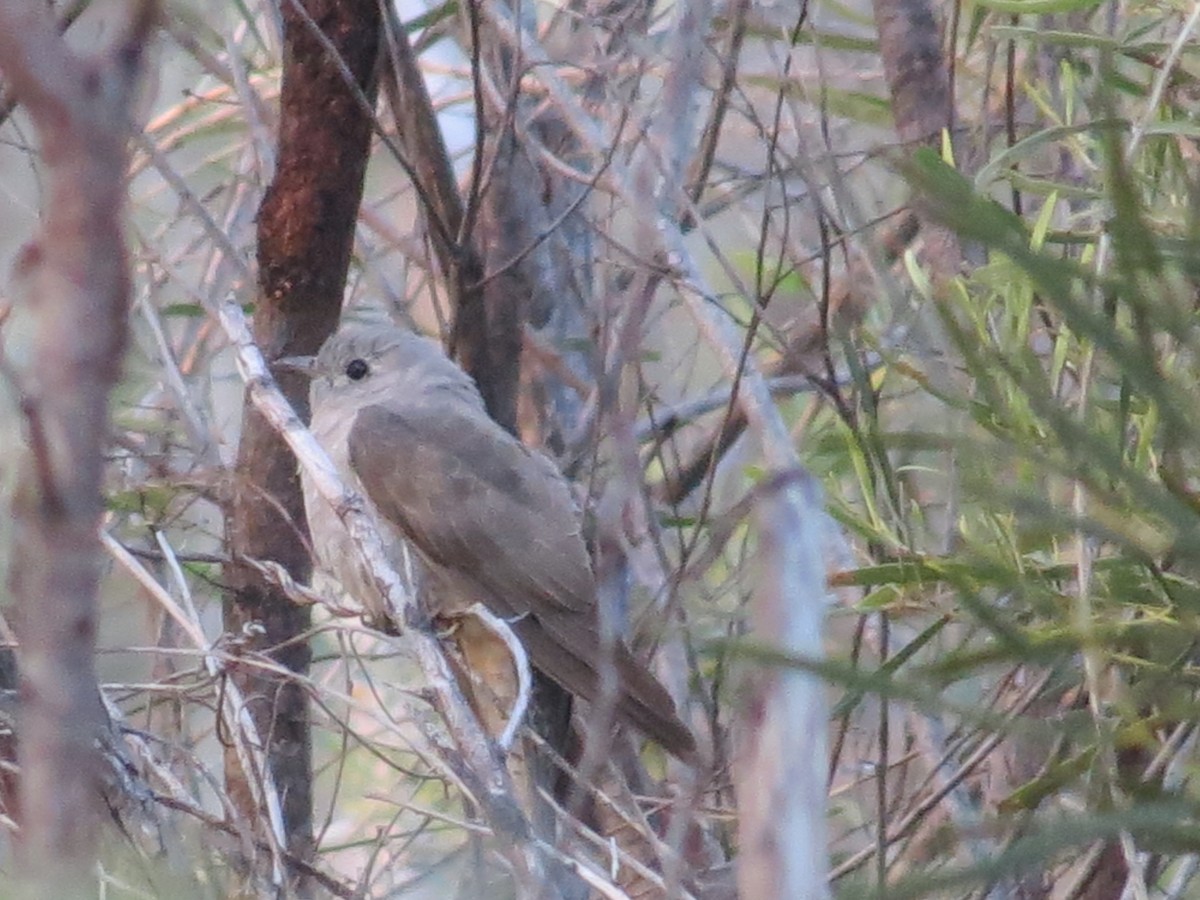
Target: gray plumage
x,y
490,520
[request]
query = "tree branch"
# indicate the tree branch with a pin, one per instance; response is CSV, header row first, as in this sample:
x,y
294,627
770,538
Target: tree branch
x,y
78,288
480,768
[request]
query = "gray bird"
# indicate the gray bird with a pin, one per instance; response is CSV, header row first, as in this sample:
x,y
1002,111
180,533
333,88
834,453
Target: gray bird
x,y
490,520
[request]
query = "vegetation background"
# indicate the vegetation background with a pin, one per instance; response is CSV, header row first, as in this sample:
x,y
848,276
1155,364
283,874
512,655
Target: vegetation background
x,y
940,261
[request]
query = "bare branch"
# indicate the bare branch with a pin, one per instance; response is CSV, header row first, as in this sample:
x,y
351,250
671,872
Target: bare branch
x,y
248,743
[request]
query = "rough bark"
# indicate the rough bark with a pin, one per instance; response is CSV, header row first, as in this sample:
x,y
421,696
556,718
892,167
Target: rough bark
x,y
305,236
77,284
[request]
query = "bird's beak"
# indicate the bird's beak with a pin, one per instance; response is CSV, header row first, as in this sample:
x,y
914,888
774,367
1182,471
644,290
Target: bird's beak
x,y
305,365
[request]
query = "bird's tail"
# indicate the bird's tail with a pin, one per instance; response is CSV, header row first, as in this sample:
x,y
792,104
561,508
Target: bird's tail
x,y
647,706
641,700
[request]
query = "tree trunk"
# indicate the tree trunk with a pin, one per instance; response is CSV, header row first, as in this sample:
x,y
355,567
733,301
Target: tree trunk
x,y
77,281
305,236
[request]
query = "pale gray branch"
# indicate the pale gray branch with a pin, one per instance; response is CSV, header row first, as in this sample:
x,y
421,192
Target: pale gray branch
x,y
485,775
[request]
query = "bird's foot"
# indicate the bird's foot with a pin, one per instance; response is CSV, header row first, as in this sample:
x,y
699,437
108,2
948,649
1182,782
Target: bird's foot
x,y
445,627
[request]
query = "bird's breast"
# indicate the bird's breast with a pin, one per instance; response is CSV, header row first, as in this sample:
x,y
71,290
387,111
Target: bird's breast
x,y
332,545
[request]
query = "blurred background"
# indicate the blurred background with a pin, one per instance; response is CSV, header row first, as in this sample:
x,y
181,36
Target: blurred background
x,y
959,242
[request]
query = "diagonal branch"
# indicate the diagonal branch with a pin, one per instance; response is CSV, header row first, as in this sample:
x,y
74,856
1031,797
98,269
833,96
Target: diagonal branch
x,y
481,771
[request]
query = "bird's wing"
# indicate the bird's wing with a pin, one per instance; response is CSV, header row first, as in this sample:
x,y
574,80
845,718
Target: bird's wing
x,y
473,499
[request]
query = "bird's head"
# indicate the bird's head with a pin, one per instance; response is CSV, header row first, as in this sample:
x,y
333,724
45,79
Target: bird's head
x,y
361,365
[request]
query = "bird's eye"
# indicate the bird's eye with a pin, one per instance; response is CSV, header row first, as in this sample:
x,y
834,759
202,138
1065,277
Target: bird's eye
x,y
357,369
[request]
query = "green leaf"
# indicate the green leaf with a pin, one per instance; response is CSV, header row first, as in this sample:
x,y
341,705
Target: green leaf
x,y
183,310
1035,142
1061,775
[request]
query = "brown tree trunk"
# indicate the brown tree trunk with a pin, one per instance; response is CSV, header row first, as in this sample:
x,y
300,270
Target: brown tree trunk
x,y
77,283
305,236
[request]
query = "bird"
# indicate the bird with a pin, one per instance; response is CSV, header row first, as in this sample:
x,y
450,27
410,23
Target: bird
x,y
489,519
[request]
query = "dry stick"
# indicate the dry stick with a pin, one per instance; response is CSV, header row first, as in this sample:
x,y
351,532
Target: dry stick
x,y
193,420
666,423
248,744
736,15
968,765
258,118
618,855
250,747
485,775
420,133
183,804
587,874
801,343
801,348
780,769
